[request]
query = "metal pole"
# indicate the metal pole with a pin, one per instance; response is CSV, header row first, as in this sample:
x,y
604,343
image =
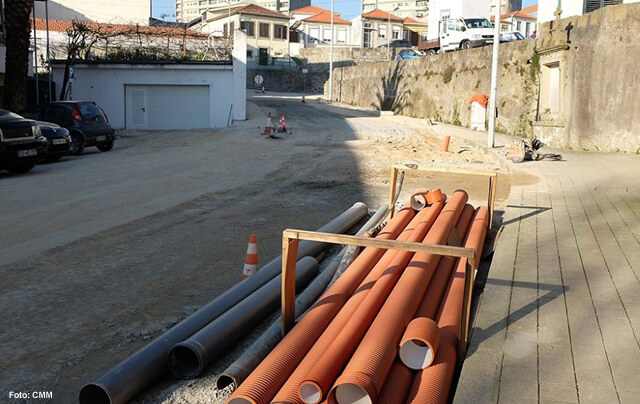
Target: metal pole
x,y
331,58
389,38
494,79
35,54
46,13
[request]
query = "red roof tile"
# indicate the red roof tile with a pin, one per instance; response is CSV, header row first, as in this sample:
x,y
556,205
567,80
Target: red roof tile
x,y
325,17
115,29
378,14
313,10
257,10
411,21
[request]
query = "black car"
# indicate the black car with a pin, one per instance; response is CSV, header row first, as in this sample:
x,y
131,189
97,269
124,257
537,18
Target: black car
x,y
21,143
397,43
59,140
87,123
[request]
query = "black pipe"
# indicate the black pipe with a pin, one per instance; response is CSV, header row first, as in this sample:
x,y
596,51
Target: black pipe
x,y
188,359
130,376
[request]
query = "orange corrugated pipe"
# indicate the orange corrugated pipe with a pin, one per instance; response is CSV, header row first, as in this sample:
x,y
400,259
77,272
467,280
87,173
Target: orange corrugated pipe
x,y
288,394
265,381
327,366
419,343
432,385
433,296
365,373
396,388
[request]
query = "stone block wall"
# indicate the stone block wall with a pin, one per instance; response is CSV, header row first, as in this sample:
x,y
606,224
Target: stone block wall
x,y
439,87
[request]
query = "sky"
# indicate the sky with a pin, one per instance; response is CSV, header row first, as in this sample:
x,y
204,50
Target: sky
x,y
348,8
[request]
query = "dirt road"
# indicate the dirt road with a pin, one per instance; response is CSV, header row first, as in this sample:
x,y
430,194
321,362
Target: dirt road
x,y
101,253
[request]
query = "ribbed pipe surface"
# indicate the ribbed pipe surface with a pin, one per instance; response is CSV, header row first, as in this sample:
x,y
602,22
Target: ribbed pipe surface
x,y
370,364
126,379
327,366
432,385
396,387
265,381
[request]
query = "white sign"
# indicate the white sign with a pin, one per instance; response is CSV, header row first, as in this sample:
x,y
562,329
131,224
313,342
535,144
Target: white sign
x,y
258,80
305,71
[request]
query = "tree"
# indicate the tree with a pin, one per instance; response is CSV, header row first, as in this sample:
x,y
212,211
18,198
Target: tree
x,y
18,40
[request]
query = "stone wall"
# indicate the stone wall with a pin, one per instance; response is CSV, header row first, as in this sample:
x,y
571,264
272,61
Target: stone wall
x,y
439,87
288,80
599,81
319,57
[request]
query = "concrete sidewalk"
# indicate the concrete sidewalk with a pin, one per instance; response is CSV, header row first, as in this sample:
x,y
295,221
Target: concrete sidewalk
x,y
559,319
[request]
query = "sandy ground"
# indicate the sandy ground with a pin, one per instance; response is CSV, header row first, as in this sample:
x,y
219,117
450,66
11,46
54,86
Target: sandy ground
x,y
101,253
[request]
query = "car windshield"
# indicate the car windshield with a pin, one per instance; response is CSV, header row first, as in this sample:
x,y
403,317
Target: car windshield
x,y
477,23
90,111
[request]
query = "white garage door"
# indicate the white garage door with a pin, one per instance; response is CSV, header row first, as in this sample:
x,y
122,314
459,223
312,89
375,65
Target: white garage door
x,y
167,106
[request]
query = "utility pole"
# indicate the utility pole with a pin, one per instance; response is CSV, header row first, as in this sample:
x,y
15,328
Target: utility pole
x,y
331,58
494,77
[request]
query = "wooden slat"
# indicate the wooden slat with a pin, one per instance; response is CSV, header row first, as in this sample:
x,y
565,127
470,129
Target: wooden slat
x,y
450,170
288,295
459,252
392,192
465,316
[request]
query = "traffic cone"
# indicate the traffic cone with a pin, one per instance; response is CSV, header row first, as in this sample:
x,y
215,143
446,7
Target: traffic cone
x,y
251,260
283,124
270,126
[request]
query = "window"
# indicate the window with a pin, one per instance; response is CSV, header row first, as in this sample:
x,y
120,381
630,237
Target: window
x,y
382,31
528,29
264,30
342,36
593,5
249,27
314,34
280,31
249,54
396,33
225,29
326,35
519,26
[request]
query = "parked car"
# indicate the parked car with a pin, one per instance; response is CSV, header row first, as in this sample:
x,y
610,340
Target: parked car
x,y
511,36
58,139
87,123
407,54
397,43
21,143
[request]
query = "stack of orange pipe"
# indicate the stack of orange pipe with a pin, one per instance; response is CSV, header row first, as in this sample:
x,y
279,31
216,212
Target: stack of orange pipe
x,y
345,348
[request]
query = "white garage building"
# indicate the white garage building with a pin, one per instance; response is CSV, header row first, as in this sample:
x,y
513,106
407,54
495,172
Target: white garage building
x,y
166,95
157,96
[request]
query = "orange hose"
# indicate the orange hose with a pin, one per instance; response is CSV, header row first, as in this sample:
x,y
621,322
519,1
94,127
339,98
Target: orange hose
x,y
265,381
432,385
366,371
326,366
396,387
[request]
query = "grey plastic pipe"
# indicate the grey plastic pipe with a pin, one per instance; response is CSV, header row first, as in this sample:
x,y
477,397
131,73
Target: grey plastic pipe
x,y
238,371
242,367
130,376
189,358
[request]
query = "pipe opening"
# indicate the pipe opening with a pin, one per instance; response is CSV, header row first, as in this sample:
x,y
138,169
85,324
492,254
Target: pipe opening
x,y
184,362
225,380
94,394
416,355
349,393
310,393
240,401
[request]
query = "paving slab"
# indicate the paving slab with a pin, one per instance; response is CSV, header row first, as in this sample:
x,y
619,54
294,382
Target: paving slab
x,y
558,320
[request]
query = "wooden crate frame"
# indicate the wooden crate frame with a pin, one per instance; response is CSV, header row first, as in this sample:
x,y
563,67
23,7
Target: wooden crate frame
x,y
291,239
492,175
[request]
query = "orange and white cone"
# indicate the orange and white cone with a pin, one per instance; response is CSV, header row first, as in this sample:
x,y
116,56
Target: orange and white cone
x,y
251,260
283,124
270,128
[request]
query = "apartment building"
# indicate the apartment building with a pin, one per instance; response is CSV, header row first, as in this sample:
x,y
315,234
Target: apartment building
x,y
547,8
188,10
102,11
415,9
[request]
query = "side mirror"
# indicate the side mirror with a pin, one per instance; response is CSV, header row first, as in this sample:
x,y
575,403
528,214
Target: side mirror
x,y
463,28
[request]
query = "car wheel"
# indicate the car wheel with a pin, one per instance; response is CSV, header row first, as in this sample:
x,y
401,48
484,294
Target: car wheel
x,y
77,145
107,146
431,52
466,45
20,168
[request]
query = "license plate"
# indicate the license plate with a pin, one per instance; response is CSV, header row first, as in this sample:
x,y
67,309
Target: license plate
x,y
101,138
27,153
59,141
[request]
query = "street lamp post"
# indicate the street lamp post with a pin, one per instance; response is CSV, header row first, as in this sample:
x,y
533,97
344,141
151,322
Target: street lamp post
x,y
494,78
331,58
